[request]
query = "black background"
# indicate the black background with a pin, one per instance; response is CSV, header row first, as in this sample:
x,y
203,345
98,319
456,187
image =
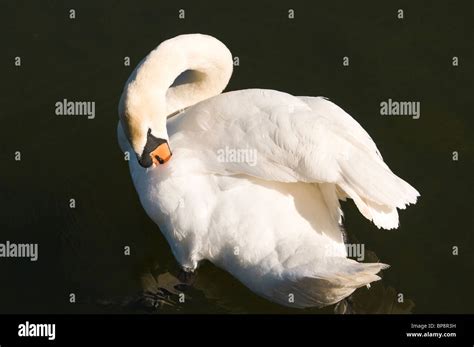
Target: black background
x,y
81,250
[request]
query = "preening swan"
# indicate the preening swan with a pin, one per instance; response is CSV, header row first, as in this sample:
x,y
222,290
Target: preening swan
x,y
274,221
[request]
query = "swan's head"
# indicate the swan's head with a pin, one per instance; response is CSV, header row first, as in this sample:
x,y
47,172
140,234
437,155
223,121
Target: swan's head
x,y
179,73
144,127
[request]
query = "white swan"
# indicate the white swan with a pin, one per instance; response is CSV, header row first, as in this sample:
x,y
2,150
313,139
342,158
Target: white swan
x,y
273,223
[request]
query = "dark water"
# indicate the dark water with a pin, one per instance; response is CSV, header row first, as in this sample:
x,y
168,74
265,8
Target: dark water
x,y
81,249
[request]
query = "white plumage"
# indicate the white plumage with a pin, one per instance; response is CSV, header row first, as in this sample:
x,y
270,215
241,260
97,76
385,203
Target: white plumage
x,y
274,224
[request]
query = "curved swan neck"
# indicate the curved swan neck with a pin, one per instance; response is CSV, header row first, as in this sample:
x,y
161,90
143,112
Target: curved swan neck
x,y
183,71
188,69
180,72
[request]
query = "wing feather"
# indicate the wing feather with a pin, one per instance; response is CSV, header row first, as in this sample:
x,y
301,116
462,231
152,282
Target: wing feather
x,y
294,140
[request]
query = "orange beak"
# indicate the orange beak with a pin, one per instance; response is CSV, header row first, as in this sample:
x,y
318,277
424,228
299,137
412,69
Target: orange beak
x,y
161,154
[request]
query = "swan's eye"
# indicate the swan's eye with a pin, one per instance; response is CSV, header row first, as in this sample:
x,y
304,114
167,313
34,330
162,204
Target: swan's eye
x,y
156,151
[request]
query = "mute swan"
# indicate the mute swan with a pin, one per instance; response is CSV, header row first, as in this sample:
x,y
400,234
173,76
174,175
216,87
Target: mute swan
x,y
273,223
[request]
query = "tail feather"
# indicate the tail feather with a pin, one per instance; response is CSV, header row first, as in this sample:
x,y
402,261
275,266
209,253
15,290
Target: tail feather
x,y
328,288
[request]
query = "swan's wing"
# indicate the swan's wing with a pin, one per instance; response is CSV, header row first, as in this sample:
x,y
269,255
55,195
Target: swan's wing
x,y
342,120
350,128
278,137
